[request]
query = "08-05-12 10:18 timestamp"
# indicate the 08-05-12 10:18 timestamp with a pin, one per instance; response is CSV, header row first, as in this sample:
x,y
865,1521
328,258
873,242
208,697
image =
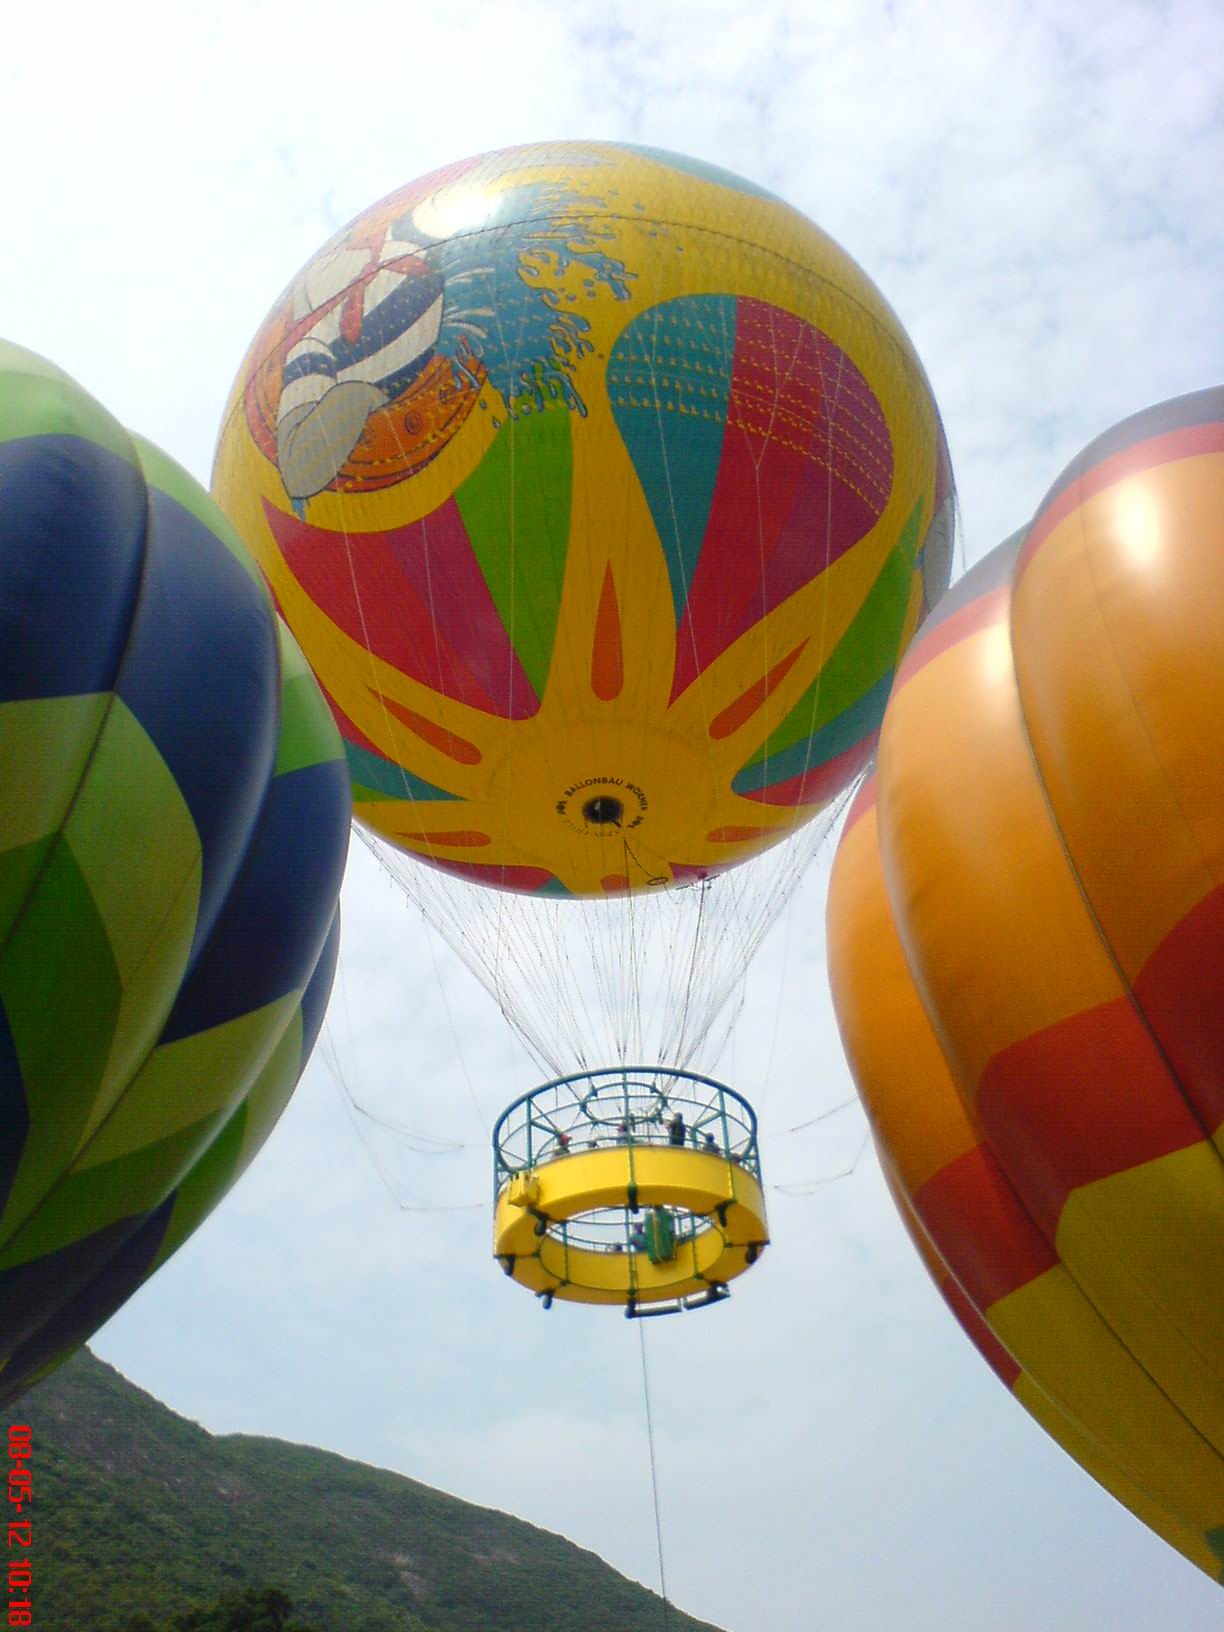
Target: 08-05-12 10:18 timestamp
x,y
20,1528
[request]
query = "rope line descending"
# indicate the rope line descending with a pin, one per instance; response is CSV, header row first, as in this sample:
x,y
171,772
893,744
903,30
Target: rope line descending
x,y
654,1478
420,1144
813,1185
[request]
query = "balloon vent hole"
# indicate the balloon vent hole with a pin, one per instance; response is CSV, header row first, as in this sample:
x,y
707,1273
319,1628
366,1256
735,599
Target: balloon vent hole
x,y
604,811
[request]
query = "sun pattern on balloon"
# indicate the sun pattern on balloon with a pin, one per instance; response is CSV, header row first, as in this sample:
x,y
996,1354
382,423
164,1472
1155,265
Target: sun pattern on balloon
x,y
603,492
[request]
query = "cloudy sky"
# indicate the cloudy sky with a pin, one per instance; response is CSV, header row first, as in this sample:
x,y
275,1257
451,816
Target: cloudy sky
x,y
1036,187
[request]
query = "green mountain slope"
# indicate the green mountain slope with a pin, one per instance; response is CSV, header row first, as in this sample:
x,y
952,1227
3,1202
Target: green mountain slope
x,y
138,1510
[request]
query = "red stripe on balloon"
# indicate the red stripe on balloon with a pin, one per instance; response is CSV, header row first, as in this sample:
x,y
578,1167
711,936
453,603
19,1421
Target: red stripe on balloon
x,y
522,880
1181,992
1189,442
416,192
756,483
347,729
950,631
438,560
978,1333
356,738
806,471
980,1228
970,1319
846,480
468,839
352,733
423,607
607,655
747,703
1080,1101
863,803
437,736
684,872
818,785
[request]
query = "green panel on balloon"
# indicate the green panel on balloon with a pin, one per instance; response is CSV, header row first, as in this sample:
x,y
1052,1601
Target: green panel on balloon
x,y
45,744
82,1203
308,732
863,659
61,1072
133,838
516,508
20,868
227,1158
155,883
159,1129
136,844
43,402
201,1074
215,1171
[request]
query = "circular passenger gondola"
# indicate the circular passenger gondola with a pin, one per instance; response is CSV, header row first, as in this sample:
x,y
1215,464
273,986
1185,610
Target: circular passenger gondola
x,y
637,1186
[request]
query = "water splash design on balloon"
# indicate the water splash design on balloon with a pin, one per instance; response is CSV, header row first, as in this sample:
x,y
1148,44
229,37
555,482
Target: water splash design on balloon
x,y
440,298
505,297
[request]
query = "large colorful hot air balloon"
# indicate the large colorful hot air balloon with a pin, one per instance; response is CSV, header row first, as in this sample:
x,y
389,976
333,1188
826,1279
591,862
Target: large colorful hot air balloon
x,y
602,491
173,827
1026,939
598,487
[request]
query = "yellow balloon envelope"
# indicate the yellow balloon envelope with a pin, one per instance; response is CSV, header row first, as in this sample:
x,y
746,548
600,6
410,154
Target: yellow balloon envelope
x,y
602,491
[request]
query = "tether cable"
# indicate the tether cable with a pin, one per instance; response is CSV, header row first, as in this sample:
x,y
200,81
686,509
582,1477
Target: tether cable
x,y
654,1478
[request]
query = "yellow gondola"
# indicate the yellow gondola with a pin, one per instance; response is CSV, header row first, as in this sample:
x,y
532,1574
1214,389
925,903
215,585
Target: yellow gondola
x,y
638,1187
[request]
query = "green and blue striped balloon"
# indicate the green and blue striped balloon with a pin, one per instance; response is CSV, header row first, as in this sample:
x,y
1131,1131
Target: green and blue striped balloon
x,y
174,816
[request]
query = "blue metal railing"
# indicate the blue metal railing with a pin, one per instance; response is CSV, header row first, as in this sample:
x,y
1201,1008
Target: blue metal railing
x,y
625,1105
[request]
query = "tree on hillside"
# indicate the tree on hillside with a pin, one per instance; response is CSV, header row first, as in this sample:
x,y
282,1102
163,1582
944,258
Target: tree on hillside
x,y
253,1609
